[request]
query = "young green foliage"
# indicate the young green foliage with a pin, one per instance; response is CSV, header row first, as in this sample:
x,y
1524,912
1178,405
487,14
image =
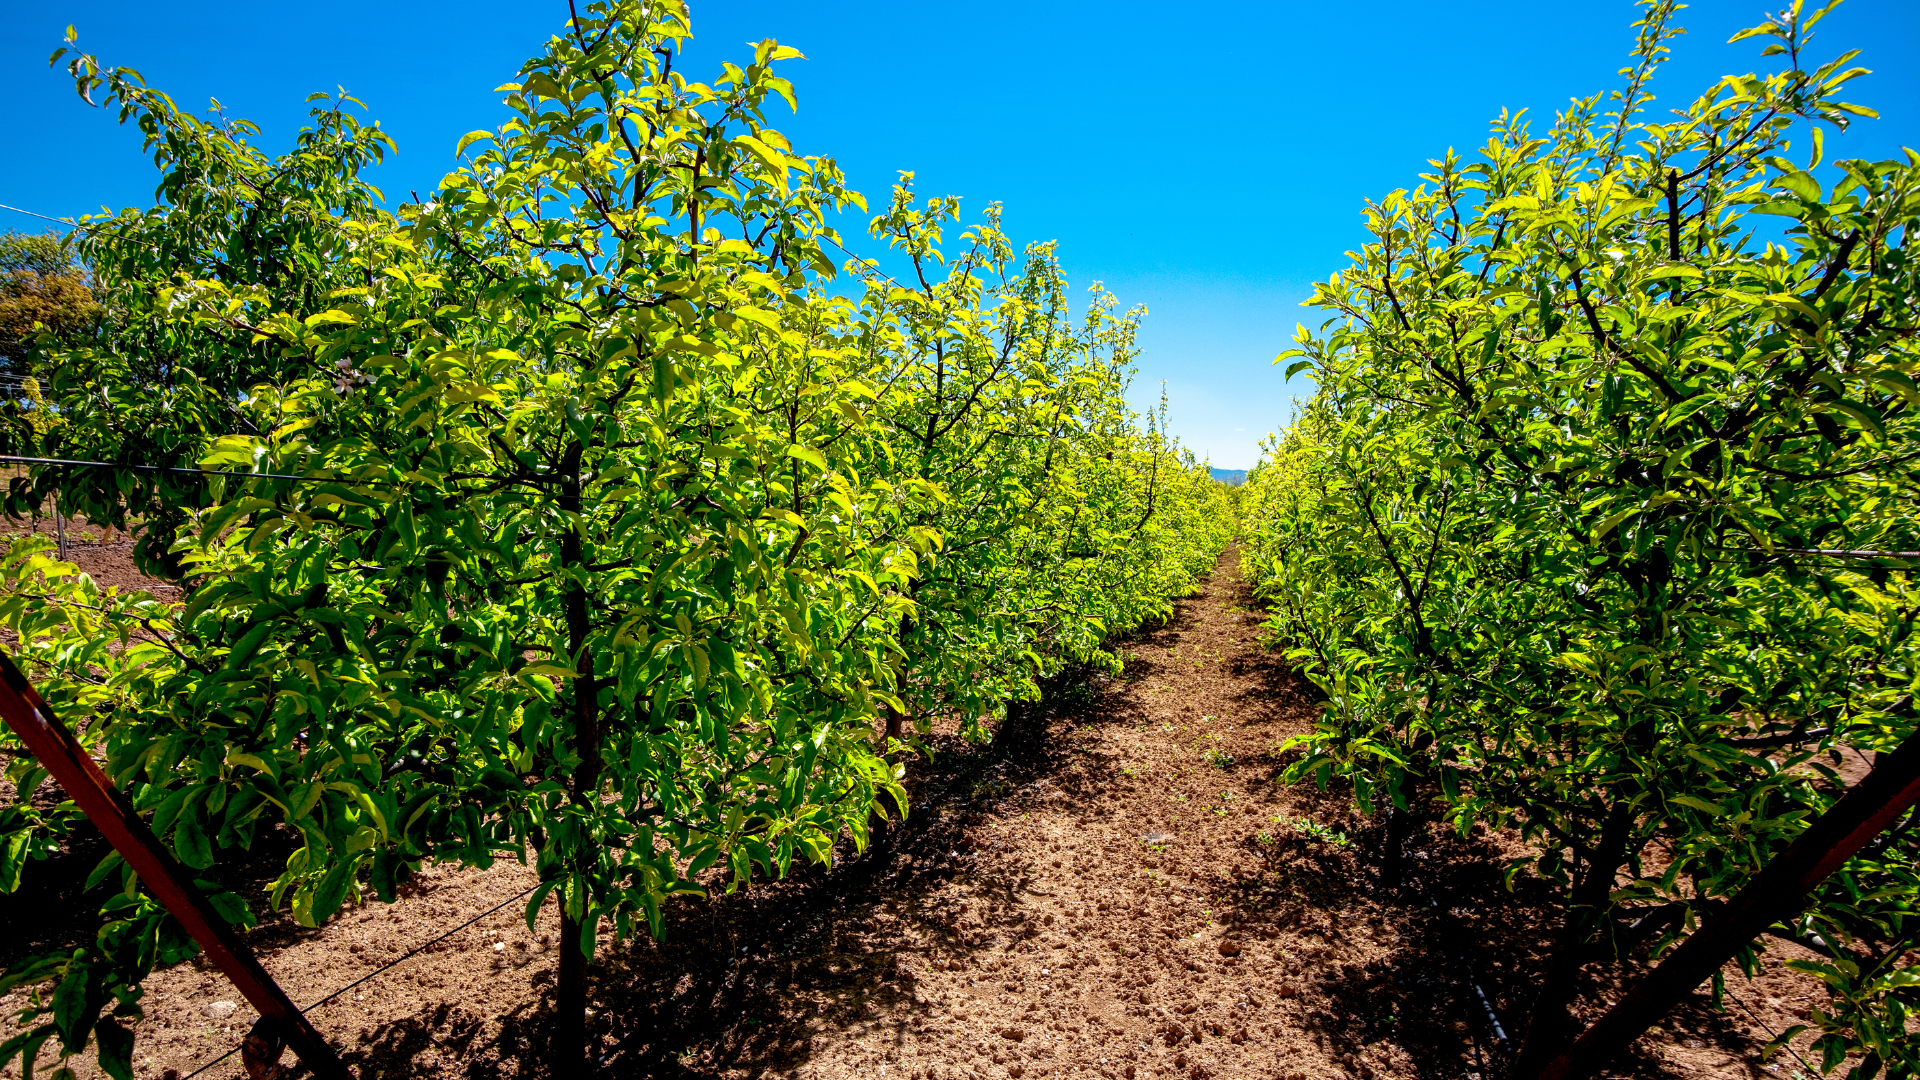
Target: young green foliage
x,y
566,513
1600,524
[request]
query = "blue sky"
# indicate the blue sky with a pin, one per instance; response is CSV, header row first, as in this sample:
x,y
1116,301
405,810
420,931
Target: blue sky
x,y
1207,161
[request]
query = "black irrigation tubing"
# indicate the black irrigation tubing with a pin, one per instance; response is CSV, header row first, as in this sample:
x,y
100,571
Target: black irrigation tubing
x,y
1501,1044
382,969
212,1063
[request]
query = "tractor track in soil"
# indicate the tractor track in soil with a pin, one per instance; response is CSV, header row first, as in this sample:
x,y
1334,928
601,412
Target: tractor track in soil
x,y
1117,887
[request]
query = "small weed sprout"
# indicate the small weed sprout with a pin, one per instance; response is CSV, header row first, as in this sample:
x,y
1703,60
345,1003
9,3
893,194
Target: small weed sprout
x,y
1314,830
1217,758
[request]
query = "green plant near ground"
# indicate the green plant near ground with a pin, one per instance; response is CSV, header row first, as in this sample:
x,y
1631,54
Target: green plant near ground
x,y
1217,758
1600,525
1309,828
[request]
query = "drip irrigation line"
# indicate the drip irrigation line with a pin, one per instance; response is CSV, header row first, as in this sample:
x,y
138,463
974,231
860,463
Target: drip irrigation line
x,y
381,970
1490,1017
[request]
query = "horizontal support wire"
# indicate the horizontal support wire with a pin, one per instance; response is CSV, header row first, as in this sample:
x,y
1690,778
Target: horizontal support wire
x,y
78,463
1772,1034
381,970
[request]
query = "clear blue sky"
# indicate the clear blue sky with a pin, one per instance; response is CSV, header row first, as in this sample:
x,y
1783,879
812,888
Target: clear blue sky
x,y
1206,161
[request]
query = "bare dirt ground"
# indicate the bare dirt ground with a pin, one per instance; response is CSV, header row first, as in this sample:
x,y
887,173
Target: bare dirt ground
x,y
1117,887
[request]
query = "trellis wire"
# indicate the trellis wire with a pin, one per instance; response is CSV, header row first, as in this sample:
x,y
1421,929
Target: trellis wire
x,y
1772,1034
381,970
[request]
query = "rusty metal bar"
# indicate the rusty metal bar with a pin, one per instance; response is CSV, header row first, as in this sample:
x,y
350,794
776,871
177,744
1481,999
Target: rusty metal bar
x,y
68,762
1777,892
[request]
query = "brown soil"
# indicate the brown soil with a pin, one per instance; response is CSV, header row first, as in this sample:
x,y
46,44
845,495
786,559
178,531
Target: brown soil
x,y
1117,887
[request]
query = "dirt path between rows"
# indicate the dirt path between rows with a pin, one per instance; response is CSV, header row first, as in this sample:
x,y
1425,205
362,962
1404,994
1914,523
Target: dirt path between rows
x,y
1118,888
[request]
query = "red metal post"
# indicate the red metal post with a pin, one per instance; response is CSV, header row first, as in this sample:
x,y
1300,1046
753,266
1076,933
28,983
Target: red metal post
x,y
68,762
1779,891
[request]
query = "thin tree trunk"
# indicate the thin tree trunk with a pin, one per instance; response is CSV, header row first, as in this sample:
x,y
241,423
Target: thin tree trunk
x,y
1774,895
879,828
1549,1022
1393,856
570,1004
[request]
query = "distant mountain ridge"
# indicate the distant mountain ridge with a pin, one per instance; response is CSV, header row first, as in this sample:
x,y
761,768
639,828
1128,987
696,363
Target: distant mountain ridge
x,y
1235,477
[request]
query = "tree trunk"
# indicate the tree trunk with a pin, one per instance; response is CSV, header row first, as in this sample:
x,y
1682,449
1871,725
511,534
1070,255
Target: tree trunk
x,y
1393,854
570,1055
1549,1023
1773,896
879,828
570,1004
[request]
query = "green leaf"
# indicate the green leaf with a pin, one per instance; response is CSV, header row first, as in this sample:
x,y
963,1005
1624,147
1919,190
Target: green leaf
x,y
1613,521
233,452
1861,414
332,890
1698,804
74,1006
1802,185
26,1046
115,1049
190,840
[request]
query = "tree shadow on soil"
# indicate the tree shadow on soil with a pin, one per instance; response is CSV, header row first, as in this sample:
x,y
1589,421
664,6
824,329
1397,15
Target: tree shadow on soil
x,y
1456,985
751,984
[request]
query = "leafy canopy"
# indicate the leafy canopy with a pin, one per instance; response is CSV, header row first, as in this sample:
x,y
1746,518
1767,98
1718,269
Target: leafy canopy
x,y
1600,524
567,515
